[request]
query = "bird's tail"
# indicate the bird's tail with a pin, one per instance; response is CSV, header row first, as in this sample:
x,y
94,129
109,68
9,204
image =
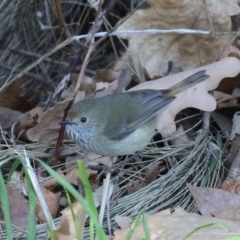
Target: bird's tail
x,y
185,84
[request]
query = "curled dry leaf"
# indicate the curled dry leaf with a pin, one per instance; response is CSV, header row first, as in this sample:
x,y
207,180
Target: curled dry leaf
x,y
225,100
52,201
230,51
48,127
27,121
189,51
67,226
196,96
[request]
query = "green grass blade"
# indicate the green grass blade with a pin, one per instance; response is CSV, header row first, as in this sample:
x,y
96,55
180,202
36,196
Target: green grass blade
x,y
204,226
87,187
16,163
133,227
32,197
88,194
5,206
79,235
145,227
77,196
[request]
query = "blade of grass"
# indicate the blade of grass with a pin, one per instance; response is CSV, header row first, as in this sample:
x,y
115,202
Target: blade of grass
x,y
203,226
133,227
14,166
79,235
87,187
32,206
88,194
5,206
78,197
145,227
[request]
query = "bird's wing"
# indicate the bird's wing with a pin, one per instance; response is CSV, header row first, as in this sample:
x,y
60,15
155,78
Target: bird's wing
x,y
147,104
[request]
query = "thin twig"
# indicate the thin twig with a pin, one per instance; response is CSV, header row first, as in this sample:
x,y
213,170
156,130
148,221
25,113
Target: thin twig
x,y
29,74
61,20
119,33
80,77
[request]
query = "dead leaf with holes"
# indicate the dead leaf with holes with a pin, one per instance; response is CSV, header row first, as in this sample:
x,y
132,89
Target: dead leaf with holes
x,y
188,51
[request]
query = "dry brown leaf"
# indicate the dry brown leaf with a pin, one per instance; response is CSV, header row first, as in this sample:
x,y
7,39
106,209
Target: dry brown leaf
x,y
67,229
189,50
10,97
87,84
106,75
72,176
18,206
152,173
52,201
27,121
225,100
47,128
136,185
211,201
196,96
176,225
8,117
51,183
230,51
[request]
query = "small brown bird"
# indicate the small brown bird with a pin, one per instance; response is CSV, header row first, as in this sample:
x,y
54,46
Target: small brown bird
x,y
124,123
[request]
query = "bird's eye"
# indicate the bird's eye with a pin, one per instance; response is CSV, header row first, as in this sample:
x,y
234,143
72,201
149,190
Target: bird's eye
x,y
83,119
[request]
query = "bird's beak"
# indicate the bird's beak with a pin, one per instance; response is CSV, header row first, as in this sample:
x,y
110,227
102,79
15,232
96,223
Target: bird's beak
x,y
66,122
